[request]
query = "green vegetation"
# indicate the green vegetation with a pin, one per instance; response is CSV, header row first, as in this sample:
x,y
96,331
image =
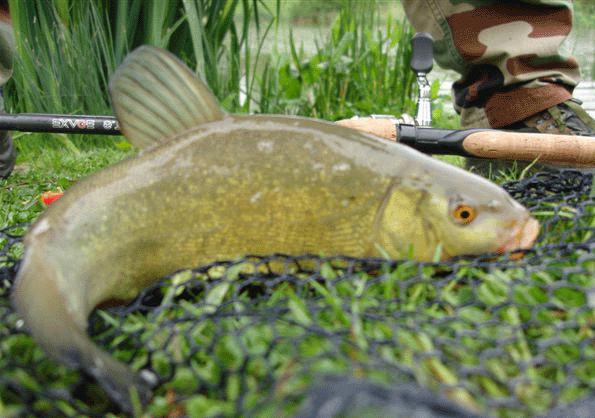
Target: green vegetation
x,y
50,170
359,69
584,12
64,62
64,65
584,28
460,328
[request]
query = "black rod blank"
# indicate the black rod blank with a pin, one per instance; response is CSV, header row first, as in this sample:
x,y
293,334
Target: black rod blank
x,y
67,124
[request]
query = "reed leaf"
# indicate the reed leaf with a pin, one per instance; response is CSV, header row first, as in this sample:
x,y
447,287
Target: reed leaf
x,y
67,51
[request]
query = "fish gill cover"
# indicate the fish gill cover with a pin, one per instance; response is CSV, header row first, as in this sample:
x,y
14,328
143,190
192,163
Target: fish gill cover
x,y
353,337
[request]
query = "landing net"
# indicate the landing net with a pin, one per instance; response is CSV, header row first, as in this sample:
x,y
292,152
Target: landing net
x,y
484,335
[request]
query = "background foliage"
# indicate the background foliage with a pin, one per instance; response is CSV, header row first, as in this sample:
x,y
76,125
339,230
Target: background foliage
x,y
67,51
66,57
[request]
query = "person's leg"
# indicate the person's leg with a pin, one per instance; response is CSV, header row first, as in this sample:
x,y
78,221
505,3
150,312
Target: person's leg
x,y
7,154
7,150
507,52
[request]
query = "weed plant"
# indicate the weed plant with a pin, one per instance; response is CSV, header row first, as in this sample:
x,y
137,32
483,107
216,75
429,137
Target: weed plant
x,y
362,68
59,66
67,51
63,66
49,171
65,59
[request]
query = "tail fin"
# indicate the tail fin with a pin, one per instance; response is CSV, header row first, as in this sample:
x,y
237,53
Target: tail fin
x,y
119,381
59,328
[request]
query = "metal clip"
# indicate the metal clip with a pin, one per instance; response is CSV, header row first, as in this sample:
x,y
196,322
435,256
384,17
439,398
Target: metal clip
x,y
422,60
424,106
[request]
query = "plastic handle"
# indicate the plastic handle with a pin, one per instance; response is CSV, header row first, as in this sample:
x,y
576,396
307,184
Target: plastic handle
x,y
422,57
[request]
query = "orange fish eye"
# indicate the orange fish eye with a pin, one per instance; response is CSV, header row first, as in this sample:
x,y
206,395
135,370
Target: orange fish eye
x,y
464,214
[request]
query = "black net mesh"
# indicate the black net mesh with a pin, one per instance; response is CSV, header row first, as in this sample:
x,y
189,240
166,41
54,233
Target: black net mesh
x,y
352,337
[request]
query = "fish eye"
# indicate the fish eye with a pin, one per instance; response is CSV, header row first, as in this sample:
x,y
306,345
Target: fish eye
x,y
464,214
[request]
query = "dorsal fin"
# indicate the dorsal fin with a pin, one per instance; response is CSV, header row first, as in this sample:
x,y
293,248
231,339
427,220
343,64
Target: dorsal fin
x,y
155,97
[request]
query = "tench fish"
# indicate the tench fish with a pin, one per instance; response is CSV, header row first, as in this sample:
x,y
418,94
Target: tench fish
x,y
209,185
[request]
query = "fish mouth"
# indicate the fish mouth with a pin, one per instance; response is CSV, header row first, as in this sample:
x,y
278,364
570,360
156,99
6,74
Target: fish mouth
x,y
521,237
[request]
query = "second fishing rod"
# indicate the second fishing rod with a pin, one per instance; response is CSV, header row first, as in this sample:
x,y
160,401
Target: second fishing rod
x,y
414,132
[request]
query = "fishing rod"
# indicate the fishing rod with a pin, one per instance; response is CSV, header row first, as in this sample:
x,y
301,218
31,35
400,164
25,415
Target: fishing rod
x,y
414,132
65,124
569,150
478,143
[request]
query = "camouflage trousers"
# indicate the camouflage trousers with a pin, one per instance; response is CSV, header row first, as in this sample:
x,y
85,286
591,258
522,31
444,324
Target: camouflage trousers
x,y
7,150
507,52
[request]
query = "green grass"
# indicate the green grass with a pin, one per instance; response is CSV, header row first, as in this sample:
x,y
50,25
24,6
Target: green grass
x,y
341,308
361,68
283,332
361,308
584,10
65,59
59,67
64,62
357,70
48,171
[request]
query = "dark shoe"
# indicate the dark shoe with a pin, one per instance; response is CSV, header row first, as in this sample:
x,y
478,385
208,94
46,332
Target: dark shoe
x,y
567,118
8,154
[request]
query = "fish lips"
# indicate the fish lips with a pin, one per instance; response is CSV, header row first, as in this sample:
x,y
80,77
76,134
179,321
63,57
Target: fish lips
x,y
522,236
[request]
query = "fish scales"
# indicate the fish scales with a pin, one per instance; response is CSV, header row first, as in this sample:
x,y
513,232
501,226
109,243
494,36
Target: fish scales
x,y
223,186
258,200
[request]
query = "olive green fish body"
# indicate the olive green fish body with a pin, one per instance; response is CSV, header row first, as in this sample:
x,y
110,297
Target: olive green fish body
x,y
233,188
211,186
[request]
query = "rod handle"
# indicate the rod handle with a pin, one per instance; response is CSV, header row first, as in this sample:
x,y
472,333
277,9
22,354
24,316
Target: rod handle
x,y
548,148
384,128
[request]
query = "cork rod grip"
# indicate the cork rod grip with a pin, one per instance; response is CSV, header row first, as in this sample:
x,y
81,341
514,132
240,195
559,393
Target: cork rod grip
x,y
383,128
562,149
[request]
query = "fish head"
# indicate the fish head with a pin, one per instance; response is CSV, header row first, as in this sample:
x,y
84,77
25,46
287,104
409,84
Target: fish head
x,y
450,212
470,215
